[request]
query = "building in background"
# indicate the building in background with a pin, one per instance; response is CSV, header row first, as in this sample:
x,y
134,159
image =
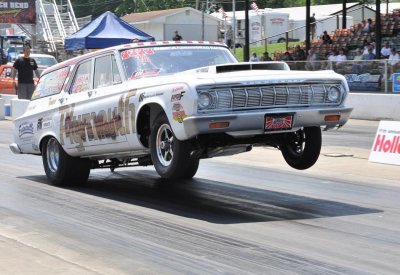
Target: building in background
x,y
187,21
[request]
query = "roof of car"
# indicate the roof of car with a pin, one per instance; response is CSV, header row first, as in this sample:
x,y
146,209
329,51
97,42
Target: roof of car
x,y
77,59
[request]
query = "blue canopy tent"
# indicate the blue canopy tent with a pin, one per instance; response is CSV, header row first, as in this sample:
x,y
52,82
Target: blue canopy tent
x,y
107,30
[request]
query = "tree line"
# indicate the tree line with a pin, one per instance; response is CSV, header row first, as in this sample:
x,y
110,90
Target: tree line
x,y
122,7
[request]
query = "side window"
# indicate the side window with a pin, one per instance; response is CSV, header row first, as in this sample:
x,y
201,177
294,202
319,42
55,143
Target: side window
x,y
103,72
82,78
116,75
51,83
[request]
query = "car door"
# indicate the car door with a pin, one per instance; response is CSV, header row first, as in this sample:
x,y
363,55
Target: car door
x,y
93,111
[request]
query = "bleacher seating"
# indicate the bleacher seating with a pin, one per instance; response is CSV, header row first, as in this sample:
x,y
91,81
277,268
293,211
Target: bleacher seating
x,y
354,37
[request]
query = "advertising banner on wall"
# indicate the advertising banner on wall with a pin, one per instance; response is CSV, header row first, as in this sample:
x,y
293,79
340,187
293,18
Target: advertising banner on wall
x,y
396,82
386,147
17,11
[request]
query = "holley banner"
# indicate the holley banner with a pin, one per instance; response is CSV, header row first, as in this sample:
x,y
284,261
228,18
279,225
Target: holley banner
x,y
18,12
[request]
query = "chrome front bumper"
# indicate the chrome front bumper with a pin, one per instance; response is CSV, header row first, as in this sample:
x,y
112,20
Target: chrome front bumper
x,y
252,123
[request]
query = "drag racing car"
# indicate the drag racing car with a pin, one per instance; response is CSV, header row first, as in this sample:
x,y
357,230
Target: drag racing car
x,y
170,104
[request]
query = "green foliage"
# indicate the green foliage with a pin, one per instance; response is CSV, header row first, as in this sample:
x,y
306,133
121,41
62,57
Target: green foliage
x,y
271,49
122,7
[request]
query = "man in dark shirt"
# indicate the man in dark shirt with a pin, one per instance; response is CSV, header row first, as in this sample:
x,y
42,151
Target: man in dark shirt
x,y
177,37
25,65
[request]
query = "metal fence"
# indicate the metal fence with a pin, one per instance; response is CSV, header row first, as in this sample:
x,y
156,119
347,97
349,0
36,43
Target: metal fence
x,y
362,76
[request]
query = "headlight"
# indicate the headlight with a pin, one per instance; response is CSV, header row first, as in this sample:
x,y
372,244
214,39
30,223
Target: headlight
x,y
204,100
334,94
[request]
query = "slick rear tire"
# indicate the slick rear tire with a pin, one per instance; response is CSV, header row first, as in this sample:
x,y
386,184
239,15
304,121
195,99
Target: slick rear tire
x,y
171,157
62,169
302,148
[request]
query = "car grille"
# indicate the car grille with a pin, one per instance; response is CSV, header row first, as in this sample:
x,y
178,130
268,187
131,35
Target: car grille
x,y
239,98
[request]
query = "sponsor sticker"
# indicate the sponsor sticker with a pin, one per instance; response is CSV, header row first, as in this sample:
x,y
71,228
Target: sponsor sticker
x,y
26,130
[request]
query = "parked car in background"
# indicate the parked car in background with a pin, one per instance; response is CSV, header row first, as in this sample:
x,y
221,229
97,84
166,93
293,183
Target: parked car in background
x,y
7,84
170,104
44,60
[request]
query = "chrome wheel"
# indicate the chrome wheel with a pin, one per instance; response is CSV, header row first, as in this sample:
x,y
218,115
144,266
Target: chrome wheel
x,y
53,155
165,144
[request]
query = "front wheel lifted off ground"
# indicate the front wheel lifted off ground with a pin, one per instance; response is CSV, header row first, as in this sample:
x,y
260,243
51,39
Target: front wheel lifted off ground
x,y
171,157
62,169
301,149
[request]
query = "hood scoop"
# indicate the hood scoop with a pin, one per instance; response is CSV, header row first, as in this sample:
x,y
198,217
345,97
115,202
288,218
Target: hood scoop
x,y
276,66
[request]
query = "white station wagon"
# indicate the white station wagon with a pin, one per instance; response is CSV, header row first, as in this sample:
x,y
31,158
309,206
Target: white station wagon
x,y
170,104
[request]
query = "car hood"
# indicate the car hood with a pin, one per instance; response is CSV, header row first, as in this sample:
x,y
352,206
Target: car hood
x,y
244,74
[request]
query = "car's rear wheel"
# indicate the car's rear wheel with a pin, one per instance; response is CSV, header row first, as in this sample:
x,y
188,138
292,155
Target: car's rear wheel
x,y
302,148
62,169
171,157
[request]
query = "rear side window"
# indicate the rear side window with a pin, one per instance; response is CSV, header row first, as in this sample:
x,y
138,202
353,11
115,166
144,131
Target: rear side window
x,y
51,83
82,78
106,72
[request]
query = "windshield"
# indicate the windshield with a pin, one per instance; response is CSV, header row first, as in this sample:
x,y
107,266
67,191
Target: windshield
x,y
45,61
152,61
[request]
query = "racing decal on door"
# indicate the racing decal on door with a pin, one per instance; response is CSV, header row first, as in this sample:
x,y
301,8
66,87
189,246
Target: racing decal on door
x,y
99,125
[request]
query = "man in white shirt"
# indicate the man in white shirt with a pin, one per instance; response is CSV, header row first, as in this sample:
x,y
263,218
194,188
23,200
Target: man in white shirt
x,y
385,51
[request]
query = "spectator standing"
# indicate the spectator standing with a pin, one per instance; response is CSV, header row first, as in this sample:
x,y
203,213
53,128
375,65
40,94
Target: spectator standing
x,y
25,65
326,39
266,57
313,25
254,58
386,51
177,37
393,62
229,37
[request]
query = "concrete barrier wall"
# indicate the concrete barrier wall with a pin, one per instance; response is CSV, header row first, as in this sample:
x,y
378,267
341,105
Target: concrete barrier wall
x,y
18,107
2,109
374,106
8,98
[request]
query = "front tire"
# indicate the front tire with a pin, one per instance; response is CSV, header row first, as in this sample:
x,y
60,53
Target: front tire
x,y
171,157
302,148
62,169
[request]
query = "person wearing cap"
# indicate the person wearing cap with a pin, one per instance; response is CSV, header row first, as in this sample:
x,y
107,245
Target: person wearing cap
x,y
25,65
177,37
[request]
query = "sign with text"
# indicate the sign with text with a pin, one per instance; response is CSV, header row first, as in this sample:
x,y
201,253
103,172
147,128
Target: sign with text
x,y
18,11
396,82
386,146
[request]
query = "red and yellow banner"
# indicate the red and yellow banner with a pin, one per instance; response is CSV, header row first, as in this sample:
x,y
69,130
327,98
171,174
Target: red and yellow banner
x,y
18,11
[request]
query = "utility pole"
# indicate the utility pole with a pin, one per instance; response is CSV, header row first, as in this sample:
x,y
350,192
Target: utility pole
x,y
202,20
378,32
308,7
344,15
246,49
